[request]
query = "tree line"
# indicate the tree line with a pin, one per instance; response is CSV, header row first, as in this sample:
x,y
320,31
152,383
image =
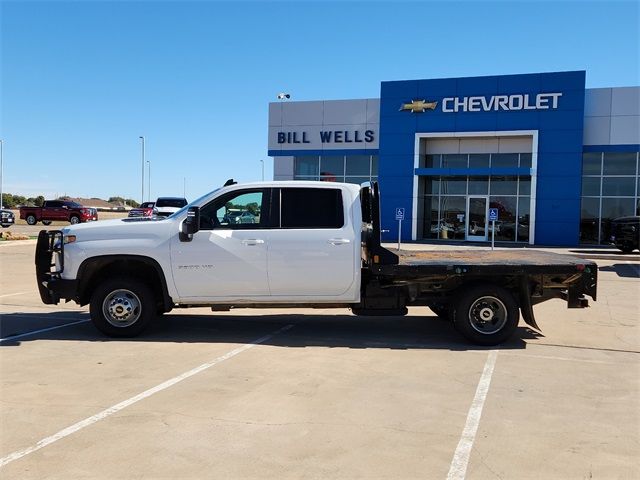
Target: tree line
x,y
14,201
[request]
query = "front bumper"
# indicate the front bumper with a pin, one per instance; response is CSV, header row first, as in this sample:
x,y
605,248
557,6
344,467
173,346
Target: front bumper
x,y
50,285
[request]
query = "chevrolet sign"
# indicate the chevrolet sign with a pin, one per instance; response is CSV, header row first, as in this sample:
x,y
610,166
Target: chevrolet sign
x,y
541,101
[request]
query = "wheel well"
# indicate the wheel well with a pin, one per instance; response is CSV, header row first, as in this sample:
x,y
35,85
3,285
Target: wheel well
x,y
93,271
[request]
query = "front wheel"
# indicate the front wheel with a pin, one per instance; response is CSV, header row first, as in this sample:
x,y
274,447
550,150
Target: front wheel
x,y
627,247
46,222
31,220
486,314
122,307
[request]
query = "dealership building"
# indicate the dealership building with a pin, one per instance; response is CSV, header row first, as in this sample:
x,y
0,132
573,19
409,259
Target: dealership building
x,y
556,162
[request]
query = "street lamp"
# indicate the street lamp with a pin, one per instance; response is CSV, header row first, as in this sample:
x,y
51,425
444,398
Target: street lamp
x,y
262,162
142,194
149,179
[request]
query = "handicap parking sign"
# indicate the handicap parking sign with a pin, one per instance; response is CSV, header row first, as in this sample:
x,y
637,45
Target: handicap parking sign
x,y
493,214
399,213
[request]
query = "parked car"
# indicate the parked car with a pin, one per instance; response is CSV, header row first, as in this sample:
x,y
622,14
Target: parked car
x,y
144,210
166,206
61,210
7,218
240,217
625,233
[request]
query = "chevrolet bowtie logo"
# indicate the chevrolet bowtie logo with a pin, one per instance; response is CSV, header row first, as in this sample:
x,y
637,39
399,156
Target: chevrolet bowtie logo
x,y
418,106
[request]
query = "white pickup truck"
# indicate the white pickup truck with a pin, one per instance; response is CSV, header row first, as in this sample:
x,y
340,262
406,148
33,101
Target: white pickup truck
x,y
292,244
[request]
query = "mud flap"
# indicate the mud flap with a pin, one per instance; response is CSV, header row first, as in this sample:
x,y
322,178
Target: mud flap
x,y
525,304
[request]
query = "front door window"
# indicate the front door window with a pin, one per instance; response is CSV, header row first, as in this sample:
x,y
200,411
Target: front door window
x,y
477,218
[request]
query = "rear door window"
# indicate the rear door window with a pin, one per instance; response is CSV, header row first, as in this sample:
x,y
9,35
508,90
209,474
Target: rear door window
x,y
311,208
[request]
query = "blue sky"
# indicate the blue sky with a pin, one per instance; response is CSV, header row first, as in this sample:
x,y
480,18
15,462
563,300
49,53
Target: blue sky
x,y
81,81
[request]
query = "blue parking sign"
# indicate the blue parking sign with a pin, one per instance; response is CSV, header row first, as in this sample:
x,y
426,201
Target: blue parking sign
x,y
399,213
493,214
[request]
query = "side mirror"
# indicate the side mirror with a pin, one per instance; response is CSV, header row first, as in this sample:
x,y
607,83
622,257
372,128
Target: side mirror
x,y
190,225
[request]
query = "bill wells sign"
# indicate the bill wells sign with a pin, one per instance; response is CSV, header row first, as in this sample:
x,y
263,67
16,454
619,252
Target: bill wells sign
x,y
329,136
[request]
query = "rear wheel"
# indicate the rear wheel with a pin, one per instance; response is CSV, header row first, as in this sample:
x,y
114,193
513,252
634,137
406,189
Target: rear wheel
x,y
46,222
31,220
74,220
122,307
627,247
486,314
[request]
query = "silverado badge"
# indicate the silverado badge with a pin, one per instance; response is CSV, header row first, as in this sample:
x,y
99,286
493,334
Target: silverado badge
x,y
418,106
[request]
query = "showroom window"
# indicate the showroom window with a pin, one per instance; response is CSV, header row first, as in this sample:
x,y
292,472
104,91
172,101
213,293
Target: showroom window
x,y
444,205
337,168
610,189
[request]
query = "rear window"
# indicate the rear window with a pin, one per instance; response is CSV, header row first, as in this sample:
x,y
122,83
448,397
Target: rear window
x,y
171,202
311,208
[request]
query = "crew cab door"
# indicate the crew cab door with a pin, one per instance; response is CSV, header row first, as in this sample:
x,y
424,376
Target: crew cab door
x,y
53,210
314,252
227,258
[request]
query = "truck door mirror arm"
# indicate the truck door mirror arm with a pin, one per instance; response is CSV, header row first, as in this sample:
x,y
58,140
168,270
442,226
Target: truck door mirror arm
x,y
190,225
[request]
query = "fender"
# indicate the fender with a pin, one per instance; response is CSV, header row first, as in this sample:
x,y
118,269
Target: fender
x,y
91,266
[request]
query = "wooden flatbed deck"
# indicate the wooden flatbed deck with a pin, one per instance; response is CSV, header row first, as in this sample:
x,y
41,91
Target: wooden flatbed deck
x,y
520,257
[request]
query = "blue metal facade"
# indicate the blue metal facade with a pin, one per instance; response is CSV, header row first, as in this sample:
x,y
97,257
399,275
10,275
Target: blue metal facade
x,y
559,155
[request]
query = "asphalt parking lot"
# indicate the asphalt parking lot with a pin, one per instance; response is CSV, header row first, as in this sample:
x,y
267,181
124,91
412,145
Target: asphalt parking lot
x,y
318,393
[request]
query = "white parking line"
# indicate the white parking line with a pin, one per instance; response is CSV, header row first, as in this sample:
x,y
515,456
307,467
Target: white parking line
x,y
458,468
12,294
147,393
13,337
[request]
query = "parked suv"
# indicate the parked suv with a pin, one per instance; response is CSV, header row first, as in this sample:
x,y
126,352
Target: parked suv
x,y
165,206
625,233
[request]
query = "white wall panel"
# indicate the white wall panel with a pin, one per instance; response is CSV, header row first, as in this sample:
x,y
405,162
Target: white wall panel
x,y
625,129
625,101
302,113
597,102
283,168
338,112
275,114
514,145
443,145
478,145
373,111
597,131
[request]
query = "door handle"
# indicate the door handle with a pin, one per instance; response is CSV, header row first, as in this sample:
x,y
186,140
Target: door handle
x,y
339,241
253,241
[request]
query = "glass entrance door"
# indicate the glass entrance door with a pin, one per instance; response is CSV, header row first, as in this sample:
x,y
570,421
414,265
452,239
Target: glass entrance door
x,y
477,218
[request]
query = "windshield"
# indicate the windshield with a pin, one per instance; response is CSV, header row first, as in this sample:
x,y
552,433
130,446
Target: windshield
x,y
196,202
171,202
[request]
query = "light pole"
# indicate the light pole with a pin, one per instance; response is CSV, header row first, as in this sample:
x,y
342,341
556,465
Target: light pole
x,y
142,194
149,179
262,162
184,187
1,165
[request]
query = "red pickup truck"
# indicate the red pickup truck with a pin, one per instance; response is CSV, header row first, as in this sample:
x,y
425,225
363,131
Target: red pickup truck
x,y
61,210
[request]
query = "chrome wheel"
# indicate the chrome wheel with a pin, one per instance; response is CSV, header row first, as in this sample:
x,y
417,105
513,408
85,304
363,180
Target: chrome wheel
x,y
74,220
122,308
487,315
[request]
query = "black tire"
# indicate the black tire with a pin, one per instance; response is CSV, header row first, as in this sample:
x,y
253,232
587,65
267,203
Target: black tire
x,y
122,307
74,219
31,220
486,314
627,248
46,222
6,225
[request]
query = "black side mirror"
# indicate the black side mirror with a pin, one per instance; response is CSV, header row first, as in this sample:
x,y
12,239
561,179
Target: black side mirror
x,y
190,225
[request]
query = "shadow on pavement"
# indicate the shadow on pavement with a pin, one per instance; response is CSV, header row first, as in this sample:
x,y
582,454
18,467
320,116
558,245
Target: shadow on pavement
x,y
622,270
314,330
